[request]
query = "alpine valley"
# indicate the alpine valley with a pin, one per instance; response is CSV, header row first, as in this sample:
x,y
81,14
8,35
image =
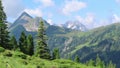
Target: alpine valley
x,y
73,38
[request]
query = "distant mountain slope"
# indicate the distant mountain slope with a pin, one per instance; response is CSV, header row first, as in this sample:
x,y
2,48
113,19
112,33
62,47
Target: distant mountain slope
x,y
104,41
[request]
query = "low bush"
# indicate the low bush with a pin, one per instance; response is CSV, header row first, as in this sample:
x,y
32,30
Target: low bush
x,y
2,49
38,66
24,62
21,55
8,53
65,66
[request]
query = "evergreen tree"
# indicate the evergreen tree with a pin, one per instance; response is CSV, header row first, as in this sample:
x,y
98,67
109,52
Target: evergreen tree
x,y
30,45
56,54
111,65
42,49
99,62
4,34
90,62
103,65
13,43
69,57
23,43
26,44
77,59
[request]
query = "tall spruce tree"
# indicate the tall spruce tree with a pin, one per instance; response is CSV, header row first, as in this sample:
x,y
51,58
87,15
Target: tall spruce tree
x,y
13,43
30,45
111,65
56,54
23,43
4,34
77,59
42,49
90,62
99,62
69,57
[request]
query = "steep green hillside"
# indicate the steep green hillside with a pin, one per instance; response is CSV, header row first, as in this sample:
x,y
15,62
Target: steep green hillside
x,y
90,38
103,41
16,59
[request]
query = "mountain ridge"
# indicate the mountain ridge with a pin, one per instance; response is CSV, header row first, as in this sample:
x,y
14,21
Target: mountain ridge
x,y
75,25
29,23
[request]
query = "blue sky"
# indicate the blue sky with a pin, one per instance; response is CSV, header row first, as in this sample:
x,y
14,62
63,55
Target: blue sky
x,y
92,13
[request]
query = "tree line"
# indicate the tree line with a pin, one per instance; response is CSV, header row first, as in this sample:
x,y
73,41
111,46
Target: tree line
x,y
96,62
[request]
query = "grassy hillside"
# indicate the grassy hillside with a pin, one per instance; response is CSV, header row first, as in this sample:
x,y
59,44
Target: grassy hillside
x,y
16,59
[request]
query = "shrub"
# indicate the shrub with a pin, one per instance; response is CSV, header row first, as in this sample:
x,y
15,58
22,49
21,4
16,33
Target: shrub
x,y
62,61
2,49
8,53
64,66
38,66
24,62
21,55
42,64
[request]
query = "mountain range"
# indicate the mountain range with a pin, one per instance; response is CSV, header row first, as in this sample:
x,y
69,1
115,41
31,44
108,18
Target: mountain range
x,y
73,38
75,25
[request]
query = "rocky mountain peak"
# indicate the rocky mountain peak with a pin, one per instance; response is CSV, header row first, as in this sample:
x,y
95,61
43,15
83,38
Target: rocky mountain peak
x,y
25,15
75,25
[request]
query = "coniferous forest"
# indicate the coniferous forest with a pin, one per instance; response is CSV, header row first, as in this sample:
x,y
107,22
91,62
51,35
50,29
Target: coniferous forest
x,y
56,47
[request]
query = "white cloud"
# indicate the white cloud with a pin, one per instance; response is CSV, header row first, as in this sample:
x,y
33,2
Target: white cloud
x,y
110,20
50,21
49,15
73,6
13,7
46,3
118,1
115,18
90,18
79,18
100,23
34,12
